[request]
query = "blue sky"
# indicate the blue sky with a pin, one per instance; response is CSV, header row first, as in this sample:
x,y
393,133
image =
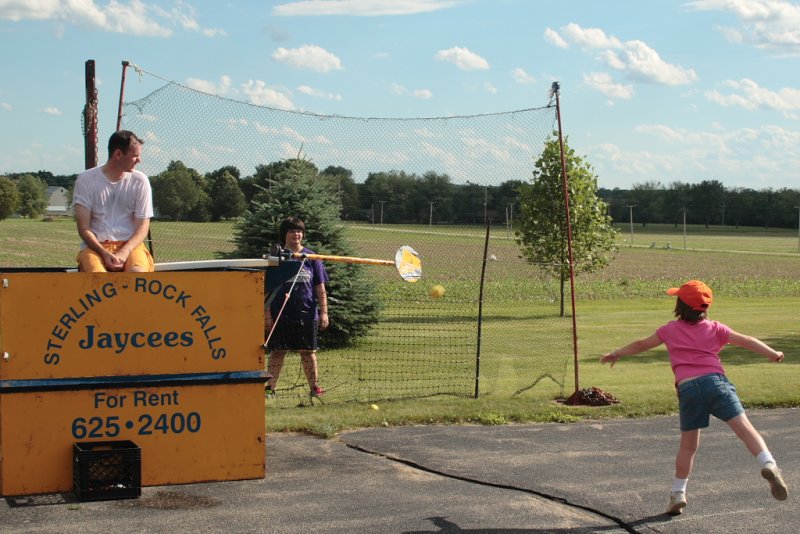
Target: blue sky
x,y
650,91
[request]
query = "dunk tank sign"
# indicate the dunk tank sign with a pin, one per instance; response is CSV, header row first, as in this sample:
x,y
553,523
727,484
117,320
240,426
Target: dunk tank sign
x,y
171,361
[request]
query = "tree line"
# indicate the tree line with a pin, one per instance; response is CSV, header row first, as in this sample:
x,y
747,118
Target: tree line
x,y
182,193
705,203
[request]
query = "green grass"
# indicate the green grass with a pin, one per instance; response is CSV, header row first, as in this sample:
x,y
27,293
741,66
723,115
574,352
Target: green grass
x,y
643,383
755,275
698,237
55,243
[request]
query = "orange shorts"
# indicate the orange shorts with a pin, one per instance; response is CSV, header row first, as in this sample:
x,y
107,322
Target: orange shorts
x,y
90,261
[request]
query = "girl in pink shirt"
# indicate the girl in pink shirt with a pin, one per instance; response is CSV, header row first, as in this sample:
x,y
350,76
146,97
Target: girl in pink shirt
x,y
693,343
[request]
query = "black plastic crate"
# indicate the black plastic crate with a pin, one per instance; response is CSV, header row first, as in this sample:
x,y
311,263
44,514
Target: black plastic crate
x,y
105,470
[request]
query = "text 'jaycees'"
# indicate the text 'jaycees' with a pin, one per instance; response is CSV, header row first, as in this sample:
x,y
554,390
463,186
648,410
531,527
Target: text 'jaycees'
x,y
93,337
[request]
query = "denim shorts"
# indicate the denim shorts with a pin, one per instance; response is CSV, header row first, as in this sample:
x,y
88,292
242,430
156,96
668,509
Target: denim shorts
x,y
704,396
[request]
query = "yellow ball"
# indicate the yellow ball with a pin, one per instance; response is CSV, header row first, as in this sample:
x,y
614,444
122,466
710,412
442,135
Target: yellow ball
x,y
374,407
437,292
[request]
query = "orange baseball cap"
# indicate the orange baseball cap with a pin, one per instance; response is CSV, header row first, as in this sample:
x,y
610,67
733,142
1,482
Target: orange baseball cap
x,y
694,293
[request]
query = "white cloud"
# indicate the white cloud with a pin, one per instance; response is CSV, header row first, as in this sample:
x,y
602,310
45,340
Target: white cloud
x,y
635,58
478,147
449,160
213,32
552,37
643,63
235,123
590,37
602,82
133,17
285,131
522,77
257,92
16,10
611,159
222,88
253,91
462,58
490,88
748,94
318,93
425,132
759,154
516,143
50,110
664,132
766,24
311,57
361,8
422,94
6,106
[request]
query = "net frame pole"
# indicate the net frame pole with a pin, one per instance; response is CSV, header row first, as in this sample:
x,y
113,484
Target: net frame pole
x,y
480,310
565,185
120,109
121,95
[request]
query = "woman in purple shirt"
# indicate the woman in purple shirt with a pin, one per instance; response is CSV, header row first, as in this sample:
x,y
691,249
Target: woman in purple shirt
x,y
693,343
298,320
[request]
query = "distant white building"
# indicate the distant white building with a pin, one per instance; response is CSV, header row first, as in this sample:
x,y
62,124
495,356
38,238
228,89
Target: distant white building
x,y
57,201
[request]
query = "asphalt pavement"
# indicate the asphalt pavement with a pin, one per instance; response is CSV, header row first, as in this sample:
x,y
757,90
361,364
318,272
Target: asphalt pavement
x,y
594,476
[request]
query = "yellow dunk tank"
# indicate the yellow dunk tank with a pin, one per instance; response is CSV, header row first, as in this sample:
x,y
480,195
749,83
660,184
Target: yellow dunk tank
x,y
172,361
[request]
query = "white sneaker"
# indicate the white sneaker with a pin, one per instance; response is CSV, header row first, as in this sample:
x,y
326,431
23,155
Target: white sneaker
x,y
677,502
777,485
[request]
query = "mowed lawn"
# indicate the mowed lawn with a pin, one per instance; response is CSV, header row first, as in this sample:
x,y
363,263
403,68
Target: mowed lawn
x,y
755,274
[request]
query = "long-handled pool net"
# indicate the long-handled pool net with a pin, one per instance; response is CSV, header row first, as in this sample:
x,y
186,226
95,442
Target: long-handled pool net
x,y
406,260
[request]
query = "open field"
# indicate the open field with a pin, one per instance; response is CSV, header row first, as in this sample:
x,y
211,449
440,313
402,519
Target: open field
x,y
755,275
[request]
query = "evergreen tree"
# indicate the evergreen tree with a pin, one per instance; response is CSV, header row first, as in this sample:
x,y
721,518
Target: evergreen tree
x,y
9,198
542,223
295,188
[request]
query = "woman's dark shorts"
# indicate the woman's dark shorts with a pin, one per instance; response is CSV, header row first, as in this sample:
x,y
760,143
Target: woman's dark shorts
x,y
300,335
704,396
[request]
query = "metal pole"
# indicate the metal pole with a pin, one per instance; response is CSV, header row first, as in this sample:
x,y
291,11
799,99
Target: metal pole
x,y
430,219
684,228
565,185
121,95
630,207
798,228
480,312
381,201
485,204
119,127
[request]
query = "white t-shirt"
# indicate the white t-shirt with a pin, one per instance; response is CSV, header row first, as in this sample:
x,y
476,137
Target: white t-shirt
x,y
115,206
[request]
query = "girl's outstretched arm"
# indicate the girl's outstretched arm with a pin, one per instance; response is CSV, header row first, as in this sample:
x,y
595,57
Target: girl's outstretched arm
x,y
755,345
635,347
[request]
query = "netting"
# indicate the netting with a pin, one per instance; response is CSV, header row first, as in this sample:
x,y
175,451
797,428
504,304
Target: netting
x,y
421,346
